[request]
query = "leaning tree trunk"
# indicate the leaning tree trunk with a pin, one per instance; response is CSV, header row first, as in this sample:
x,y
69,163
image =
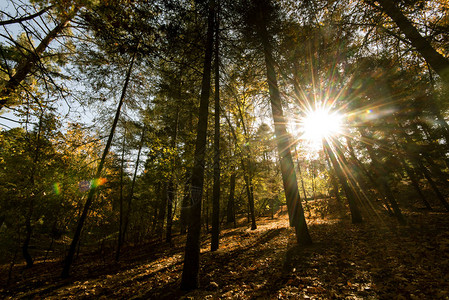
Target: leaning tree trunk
x,y
295,209
437,61
350,196
381,174
69,258
191,266
411,174
371,179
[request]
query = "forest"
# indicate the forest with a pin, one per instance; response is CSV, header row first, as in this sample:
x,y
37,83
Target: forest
x,y
224,149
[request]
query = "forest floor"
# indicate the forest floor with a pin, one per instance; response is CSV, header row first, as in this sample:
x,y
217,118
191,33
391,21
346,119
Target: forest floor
x,y
378,259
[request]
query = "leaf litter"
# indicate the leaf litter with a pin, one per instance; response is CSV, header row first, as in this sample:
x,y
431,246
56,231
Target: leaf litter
x,y
378,259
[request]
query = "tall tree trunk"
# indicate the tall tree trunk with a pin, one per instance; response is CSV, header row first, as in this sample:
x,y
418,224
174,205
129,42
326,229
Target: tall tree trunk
x,y
27,64
301,179
191,266
170,200
171,190
246,172
162,210
216,185
26,243
184,216
250,194
29,215
295,209
69,258
437,61
120,223
230,211
131,192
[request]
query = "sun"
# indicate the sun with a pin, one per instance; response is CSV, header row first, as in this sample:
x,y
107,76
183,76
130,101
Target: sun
x,y
319,124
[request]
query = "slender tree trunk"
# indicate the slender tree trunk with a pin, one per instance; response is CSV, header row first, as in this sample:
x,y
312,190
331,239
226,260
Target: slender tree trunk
x,y
29,215
32,59
432,183
120,223
162,210
371,179
411,175
216,186
249,193
295,209
133,185
417,162
170,201
191,266
230,215
381,175
437,61
301,179
26,243
185,207
313,180
69,258
350,196
2,220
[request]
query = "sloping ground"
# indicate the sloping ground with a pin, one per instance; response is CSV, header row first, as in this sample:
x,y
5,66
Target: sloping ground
x,y
375,260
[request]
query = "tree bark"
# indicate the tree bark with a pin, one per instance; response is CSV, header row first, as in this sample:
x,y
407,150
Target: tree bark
x,y
184,216
249,193
230,212
216,185
171,190
191,266
120,223
131,191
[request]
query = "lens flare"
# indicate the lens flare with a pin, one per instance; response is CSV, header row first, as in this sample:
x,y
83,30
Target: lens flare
x,y
56,188
97,182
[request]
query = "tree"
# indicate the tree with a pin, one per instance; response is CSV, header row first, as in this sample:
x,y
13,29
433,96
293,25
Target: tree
x,y
216,186
350,196
296,212
32,58
436,60
192,250
69,258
